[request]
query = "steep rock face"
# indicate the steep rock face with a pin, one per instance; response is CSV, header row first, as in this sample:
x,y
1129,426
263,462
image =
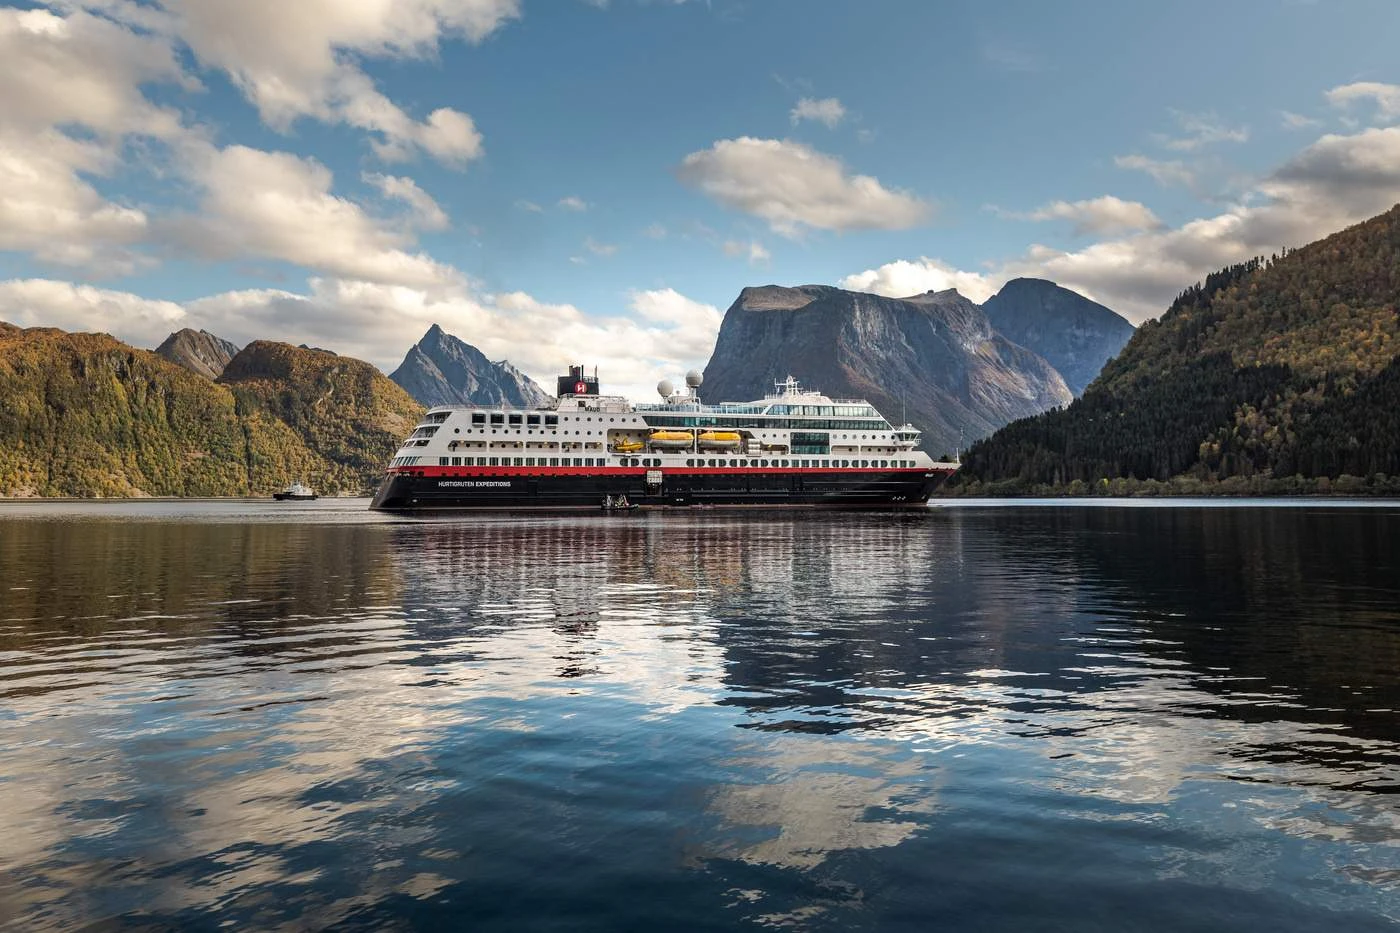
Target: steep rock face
x,y
442,370
934,358
1075,335
198,351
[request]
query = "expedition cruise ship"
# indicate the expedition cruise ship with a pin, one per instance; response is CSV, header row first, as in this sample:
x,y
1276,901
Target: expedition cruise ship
x,y
589,451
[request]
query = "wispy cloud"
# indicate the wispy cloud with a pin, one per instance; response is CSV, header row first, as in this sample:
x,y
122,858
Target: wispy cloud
x,y
1164,172
827,110
1386,97
573,203
756,253
1296,121
1102,215
599,249
1198,130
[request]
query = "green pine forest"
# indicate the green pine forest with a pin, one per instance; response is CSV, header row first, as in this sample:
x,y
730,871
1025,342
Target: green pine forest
x,y
86,415
1275,376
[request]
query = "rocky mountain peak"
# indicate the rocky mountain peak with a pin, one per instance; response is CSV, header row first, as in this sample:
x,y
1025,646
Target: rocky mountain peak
x,y
1077,335
444,370
198,351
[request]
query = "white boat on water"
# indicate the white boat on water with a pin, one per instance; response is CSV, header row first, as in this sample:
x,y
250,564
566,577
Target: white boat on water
x,y
296,492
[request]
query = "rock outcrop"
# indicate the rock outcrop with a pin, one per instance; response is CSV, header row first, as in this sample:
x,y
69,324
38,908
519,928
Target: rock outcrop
x,y
933,358
443,370
198,351
1075,335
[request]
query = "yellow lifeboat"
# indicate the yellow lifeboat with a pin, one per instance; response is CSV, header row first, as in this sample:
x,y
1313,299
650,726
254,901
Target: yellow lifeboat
x,y
671,440
719,440
628,447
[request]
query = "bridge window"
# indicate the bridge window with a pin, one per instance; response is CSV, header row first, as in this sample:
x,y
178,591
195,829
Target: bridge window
x,y
532,419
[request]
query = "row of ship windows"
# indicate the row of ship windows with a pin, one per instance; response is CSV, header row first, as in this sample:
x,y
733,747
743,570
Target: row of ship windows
x,y
655,462
479,418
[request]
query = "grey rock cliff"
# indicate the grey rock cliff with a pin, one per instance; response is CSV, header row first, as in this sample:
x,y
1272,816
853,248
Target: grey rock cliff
x,y
198,351
442,370
1077,336
935,358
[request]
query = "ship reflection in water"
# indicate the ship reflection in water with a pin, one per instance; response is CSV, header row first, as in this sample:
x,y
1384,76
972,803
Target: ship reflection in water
x,y
989,718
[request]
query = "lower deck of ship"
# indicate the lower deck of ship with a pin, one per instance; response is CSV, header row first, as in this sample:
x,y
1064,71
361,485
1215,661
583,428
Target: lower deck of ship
x,y
418,490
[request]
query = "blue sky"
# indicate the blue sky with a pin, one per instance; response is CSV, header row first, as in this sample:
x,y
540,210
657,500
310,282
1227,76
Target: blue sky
x,y
598,180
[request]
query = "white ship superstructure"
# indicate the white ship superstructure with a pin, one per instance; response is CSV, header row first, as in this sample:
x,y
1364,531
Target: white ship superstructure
x,y
793,447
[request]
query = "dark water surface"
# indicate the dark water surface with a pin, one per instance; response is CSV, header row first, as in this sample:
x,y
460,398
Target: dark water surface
x,y
246,716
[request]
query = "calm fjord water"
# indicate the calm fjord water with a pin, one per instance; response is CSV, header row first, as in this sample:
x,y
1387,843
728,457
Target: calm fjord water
x,y
1016,718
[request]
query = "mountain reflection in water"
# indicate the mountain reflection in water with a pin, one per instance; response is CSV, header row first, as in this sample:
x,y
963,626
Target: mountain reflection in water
x,y
990,718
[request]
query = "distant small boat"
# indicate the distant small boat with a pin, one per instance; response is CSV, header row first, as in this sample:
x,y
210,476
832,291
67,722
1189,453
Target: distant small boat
x,y
295,493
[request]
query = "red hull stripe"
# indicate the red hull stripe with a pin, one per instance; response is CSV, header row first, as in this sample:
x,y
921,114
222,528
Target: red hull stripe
x,y
642,471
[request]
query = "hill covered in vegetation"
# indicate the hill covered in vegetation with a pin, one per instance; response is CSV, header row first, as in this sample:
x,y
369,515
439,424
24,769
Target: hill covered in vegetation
x,y
1272,376
87,415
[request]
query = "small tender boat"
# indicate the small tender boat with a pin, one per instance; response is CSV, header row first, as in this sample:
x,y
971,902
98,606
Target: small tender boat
x,y
670,440
719,440
295,493
628,447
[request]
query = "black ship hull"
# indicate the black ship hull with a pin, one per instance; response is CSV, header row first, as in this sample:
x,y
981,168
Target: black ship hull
x,y
565,489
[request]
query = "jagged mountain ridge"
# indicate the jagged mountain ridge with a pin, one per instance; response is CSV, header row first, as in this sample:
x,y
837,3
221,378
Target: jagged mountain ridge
x,y
444,370
1074,334
934,358
199,351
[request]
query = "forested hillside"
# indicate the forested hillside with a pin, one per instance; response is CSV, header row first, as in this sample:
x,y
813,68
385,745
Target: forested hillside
x,y
1271,376
346,413
87,415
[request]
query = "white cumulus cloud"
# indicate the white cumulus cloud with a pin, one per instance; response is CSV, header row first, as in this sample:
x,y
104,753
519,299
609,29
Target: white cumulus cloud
x,y
903,278
665,332
1333,183
424,211
792,187
1102,215
1385,97
69,98
302,60
280,206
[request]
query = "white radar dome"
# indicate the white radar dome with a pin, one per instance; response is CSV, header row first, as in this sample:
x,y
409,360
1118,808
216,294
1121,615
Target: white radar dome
x,y
665,389
693,378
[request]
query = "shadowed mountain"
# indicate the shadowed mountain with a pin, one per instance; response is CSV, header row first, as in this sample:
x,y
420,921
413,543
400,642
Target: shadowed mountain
x,y
934,358
1075,335
1271,371
442,370
198,351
